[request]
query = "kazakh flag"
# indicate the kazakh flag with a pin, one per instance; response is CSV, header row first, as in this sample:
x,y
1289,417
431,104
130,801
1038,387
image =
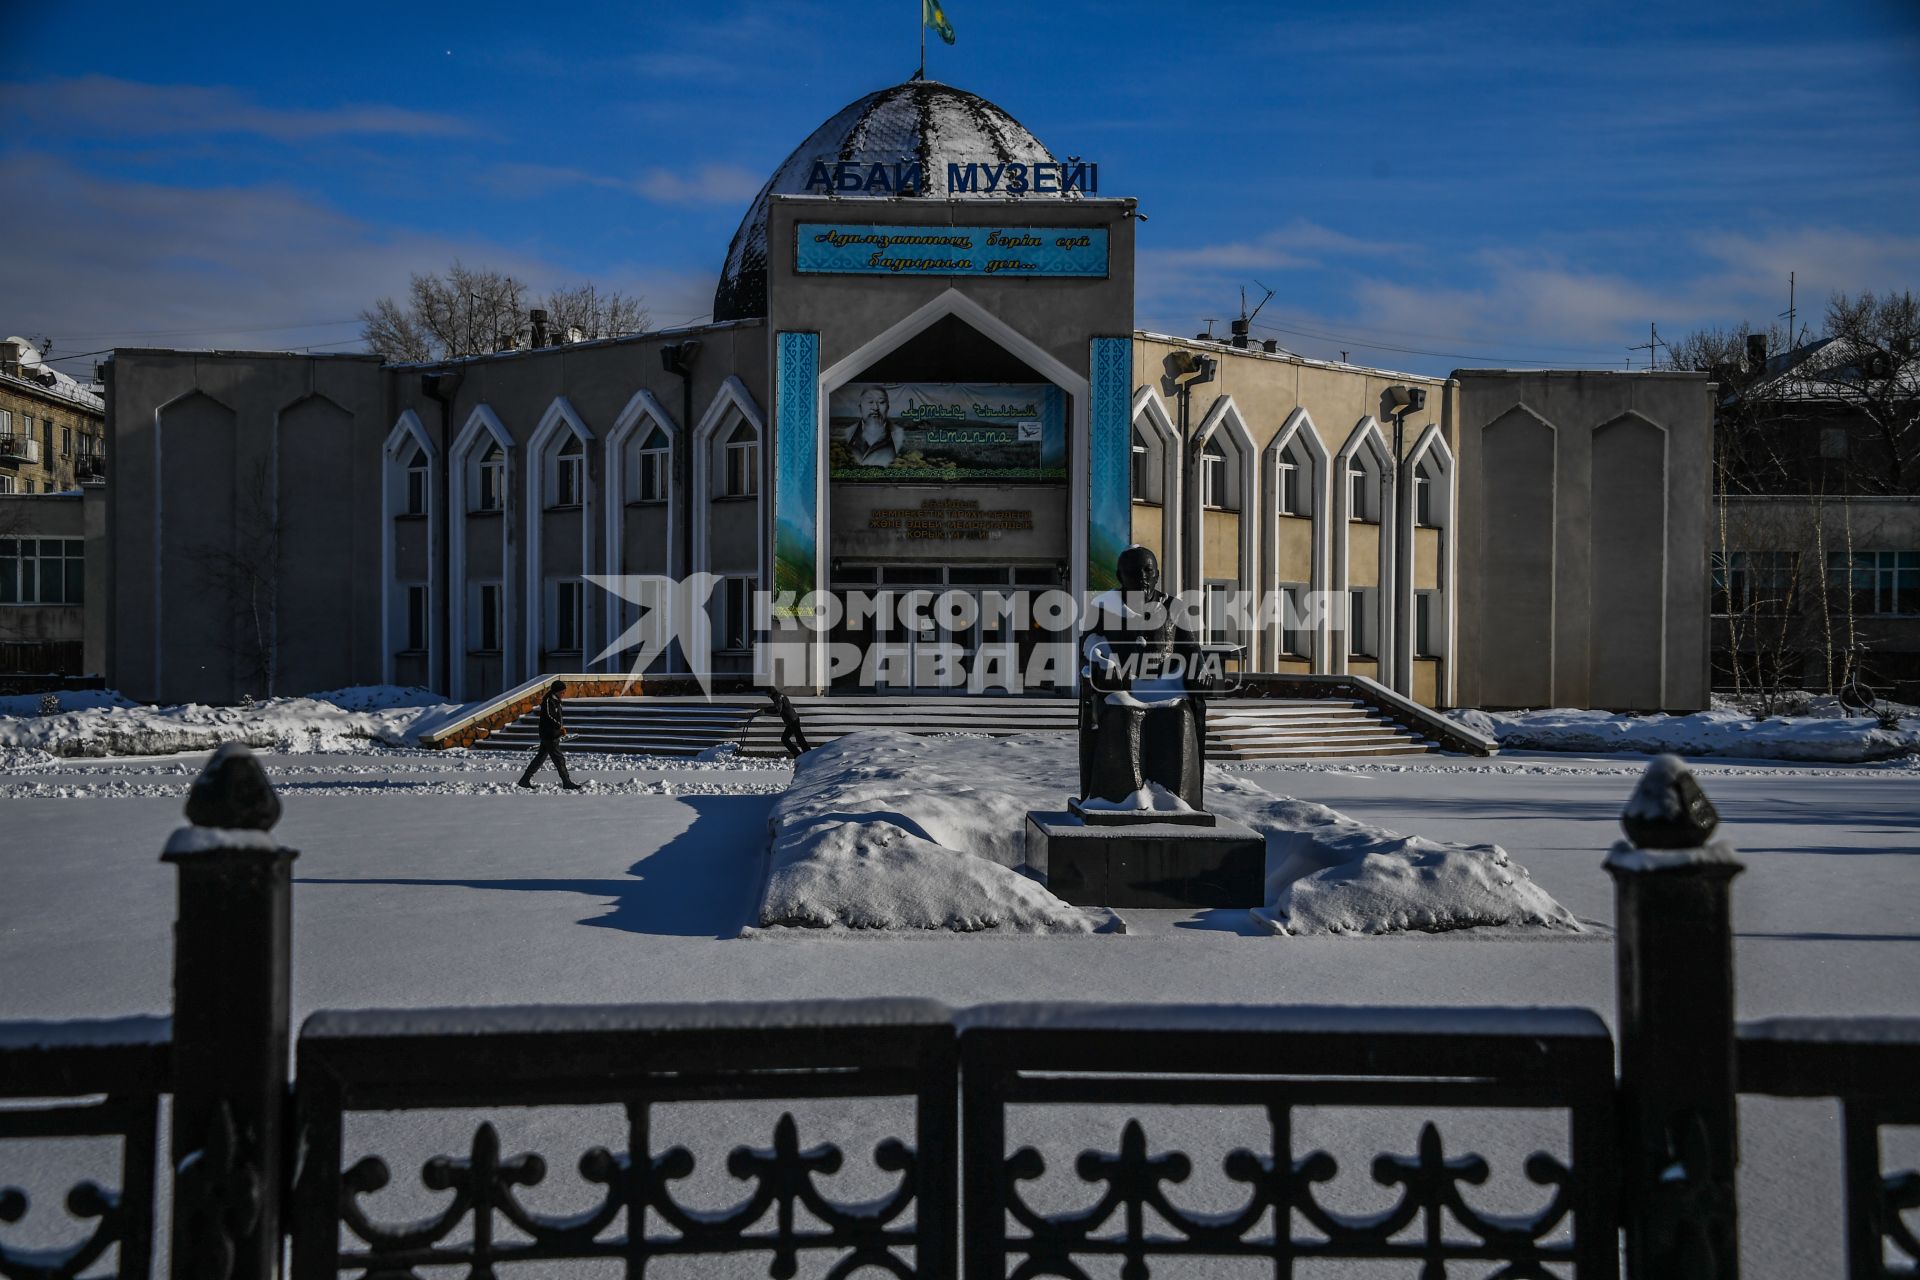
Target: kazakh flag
x,y
936,18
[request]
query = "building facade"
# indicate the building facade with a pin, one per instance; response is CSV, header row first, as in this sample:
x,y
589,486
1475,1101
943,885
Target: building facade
x,y
919,380
52,429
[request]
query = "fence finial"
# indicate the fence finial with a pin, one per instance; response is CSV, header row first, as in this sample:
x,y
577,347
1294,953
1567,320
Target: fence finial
x,y
233,793
1668,810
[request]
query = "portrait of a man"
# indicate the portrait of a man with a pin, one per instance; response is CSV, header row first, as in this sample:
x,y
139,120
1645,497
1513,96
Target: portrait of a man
x,y
873,439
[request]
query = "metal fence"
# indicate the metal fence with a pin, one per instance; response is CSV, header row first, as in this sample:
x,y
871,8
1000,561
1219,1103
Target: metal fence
x,y
959,1169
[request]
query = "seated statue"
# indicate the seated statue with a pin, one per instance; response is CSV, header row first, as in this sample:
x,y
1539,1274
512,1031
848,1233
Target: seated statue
x,y
1140,719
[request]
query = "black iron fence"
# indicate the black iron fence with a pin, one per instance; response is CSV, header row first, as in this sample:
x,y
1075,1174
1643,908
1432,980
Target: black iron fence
x,y
955,1160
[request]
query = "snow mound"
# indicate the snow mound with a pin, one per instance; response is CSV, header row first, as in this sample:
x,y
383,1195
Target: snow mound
x,y
103,723
893,831
1328,873
1839,739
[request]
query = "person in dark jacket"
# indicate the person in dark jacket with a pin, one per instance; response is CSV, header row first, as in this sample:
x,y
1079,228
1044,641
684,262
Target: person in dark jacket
x,y
553,727
794,737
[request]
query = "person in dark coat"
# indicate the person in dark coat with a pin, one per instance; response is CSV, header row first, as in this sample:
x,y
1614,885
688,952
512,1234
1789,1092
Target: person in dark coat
x,y
553,727
793,737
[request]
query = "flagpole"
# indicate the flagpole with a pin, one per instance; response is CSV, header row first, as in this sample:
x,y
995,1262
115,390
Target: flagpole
x,y
923,39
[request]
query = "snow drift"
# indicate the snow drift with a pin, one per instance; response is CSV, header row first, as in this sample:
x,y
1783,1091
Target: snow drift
x,y
102,723
893,831
1837,739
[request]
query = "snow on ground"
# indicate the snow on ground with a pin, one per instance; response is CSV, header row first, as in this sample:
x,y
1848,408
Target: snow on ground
x,y
1841,739
103,723
893,831
423,881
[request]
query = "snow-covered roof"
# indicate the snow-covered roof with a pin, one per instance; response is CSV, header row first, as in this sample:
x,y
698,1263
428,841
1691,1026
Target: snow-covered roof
x,y
1828,369
921,120
42,376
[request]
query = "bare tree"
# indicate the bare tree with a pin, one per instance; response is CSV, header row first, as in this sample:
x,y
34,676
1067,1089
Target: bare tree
x,y
465,312
583,308
1875,372
242,578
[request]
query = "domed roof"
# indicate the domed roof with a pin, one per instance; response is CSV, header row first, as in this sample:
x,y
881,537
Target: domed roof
x,y
921,120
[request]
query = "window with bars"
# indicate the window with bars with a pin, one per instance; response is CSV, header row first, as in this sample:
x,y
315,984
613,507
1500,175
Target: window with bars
x,y
43,571
1878,582
650,481
1753,582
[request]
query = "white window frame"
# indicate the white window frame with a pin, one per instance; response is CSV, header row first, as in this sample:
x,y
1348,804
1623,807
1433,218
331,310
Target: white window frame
x,y
740,455
1140,479
651,467
72,551
419,481
1358,490
490,494
1213,474
569,475
66,442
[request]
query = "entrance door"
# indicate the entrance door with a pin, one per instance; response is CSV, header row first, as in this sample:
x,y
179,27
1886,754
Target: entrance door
x,y
946,628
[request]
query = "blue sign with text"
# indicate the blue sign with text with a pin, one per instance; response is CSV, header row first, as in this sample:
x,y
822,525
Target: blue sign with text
x,y
826,248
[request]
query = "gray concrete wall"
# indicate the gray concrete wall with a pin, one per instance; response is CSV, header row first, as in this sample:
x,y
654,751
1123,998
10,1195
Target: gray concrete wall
x,y
1584,538
205,444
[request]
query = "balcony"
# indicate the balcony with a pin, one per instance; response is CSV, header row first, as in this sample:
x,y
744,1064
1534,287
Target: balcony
x,y
19,449
90,469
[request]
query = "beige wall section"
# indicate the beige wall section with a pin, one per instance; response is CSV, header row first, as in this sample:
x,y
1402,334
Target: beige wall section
x,y
1222,545
1426,559
1363,554
1266,390
1147,525
1426,680
1583,549
1294,561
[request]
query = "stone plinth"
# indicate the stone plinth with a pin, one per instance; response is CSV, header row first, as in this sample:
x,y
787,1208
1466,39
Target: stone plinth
x,y
1147,863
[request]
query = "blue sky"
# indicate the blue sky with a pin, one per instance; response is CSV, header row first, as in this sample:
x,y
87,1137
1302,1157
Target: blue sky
x,y
1425,187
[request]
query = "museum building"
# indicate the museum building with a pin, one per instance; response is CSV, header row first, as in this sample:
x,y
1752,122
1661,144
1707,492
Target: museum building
x,y
922,374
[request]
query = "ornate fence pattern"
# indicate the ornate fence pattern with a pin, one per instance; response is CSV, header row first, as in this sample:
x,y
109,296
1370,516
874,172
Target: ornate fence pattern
x,y
1645,1174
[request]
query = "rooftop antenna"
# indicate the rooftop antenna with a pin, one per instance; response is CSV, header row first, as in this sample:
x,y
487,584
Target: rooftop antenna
x,y
1209,322
1793,339
1651,346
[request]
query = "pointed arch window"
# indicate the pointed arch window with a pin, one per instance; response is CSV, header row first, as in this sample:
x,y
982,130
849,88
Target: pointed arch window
x,y
417,478
569,472
1214,492
651,480
491,493
740,476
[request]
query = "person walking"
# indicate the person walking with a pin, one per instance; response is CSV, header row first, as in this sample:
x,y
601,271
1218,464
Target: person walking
x,y
794,737
553,727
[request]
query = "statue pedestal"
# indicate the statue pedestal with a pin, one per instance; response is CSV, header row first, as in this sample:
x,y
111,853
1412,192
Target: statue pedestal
x,y
1141,862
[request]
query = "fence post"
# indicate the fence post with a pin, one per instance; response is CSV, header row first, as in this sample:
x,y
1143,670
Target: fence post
x,y
231,965
1674,967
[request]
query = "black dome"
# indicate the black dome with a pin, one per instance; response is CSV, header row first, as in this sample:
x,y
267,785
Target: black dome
x,y
921,120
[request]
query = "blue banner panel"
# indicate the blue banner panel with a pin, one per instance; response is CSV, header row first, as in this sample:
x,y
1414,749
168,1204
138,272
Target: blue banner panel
x,y
796,476
1109,460
830,248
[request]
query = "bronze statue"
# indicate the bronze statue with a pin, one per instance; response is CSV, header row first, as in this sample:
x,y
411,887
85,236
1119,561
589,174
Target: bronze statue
x,y
1141,718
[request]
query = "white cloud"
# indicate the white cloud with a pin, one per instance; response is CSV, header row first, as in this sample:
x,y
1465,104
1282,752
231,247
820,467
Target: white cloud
x,y
721,184
132,263
104,106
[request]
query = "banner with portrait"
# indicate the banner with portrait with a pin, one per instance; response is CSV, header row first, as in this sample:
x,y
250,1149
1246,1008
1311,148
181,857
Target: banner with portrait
x,y
914,432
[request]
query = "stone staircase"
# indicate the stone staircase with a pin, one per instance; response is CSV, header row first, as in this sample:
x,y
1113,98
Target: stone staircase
x,y
652,726
1237,728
